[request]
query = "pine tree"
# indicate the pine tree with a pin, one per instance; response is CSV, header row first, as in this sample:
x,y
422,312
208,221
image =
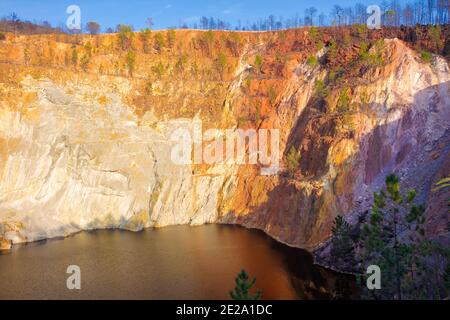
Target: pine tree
x,y
342,255
342,289
342,249
380,237
243,285
394,239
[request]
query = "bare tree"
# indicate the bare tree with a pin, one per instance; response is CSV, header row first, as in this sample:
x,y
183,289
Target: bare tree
x,y
430,8
309,15
442,8
348,16
271,22
421,11
397,12
322,19
408,15
360,13
14,18
150,22
204,22
337,13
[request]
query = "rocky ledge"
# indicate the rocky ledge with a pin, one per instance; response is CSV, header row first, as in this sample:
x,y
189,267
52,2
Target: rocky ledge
x,y
4,244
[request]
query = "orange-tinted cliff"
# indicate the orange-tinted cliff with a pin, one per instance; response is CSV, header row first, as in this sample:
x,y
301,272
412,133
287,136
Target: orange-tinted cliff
x,y
85,123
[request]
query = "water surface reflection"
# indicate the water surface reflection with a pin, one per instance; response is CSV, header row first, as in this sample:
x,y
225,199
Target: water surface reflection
x,y
170,263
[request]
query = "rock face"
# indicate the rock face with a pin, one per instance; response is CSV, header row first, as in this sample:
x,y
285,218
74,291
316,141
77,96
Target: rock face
x,y
5,244
82,164
404,129
79,151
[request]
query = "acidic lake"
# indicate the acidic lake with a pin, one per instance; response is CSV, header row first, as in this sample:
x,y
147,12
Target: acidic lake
x,y
170,263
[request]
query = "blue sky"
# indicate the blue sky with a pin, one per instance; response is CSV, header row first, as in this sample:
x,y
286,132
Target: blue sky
x,y
166,13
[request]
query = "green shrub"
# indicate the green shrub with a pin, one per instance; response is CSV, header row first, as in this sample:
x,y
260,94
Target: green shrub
x,y
361,30
131,62
434,33
84,62
125,36
364,49
443,184
272,94
241,121
332,50
148,87
2,36
209,37
171,36
26,55
145,36
181,63
426,57
234,43
332,76
194,68
335,75
236,38
364,97
74,58
159,42
258,62
312,61
314,35
374,57
159,70
248,84
206,41
343,103
293,160
320,89
221,63
348,40
258,112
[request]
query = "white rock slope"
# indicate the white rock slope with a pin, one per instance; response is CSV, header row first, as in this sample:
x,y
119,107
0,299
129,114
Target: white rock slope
x,y
87,162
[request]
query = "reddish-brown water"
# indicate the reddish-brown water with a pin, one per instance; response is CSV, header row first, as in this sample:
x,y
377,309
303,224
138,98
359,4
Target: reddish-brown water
x,y
169,263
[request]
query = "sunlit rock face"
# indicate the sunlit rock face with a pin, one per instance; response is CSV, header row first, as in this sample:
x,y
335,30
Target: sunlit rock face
x,y
76,153
84,162
5,244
